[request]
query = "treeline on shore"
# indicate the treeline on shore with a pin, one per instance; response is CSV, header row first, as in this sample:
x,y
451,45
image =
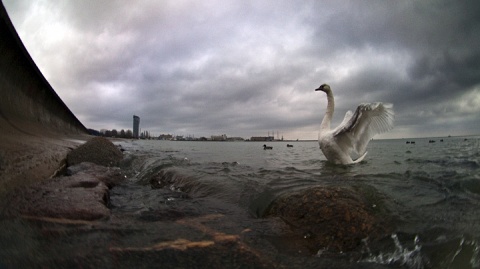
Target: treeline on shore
x,y
120,134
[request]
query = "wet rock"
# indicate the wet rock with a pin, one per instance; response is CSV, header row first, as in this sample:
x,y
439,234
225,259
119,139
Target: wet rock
x,y
98,150
182,253
78,197
332,219
111,176
214,250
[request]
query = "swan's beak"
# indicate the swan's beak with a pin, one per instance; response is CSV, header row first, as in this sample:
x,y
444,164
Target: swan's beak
x,y
321,88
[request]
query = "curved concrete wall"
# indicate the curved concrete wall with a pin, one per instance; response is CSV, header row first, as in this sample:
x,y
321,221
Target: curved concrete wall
x,y
27,101
37,129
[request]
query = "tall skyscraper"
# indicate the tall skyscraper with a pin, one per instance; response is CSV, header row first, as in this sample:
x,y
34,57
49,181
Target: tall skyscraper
x,y
136,126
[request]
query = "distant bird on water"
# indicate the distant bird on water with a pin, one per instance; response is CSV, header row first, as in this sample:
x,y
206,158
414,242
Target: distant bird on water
x,y
355,131
265,147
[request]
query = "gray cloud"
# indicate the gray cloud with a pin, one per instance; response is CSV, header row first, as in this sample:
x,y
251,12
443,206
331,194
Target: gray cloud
x,y
246,68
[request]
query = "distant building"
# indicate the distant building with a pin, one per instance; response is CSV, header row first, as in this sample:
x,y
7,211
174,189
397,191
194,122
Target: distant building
x,y
262,138
219,137
165,137
136,126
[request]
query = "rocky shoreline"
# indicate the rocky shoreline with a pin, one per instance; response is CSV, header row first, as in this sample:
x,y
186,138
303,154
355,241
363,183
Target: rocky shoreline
x,y
79,200
321,221
80,194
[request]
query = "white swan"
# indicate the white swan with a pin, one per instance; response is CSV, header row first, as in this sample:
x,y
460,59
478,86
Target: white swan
x,y
355,131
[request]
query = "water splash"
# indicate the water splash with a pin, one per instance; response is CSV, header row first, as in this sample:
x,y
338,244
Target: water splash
x,y
401,256
466,255
475,261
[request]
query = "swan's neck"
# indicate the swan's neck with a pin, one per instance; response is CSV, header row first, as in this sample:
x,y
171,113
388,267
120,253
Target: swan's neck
x,y
325,126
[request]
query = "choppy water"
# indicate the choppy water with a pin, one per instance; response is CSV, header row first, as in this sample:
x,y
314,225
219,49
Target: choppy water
x,y
433,189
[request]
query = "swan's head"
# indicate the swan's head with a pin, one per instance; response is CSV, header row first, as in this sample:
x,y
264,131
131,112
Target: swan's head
x,y
323,88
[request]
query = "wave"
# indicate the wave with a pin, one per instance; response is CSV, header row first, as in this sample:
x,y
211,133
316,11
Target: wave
x,y
465,163
469,185
439,252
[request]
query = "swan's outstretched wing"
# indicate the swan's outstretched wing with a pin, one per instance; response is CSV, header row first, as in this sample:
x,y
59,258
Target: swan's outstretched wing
x,y
347,117
368,120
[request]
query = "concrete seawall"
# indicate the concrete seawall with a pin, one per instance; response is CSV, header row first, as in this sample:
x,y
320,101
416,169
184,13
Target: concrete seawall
x,y
37,129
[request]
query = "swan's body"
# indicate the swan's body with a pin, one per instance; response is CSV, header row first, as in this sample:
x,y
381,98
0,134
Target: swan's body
x,y
355,131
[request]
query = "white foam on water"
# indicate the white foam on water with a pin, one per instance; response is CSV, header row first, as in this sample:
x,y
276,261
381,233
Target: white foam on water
x,y
402,256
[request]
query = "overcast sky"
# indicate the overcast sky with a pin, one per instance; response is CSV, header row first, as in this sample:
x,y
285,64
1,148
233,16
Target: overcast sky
x,y
246,68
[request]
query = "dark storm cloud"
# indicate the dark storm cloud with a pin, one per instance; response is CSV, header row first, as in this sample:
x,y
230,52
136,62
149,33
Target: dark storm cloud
x,y
246,68
438,65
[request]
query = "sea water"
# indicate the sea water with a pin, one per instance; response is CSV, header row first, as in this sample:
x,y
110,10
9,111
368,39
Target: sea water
x,y
432,187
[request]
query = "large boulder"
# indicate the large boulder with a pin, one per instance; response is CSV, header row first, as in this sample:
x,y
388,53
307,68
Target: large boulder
x,y
334,219
77,197
83,194
110,176
98,150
